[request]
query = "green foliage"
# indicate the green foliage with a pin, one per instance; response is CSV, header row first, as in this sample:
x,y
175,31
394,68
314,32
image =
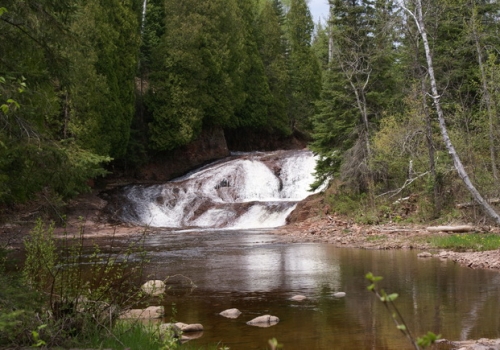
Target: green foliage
x,y
136,335
83,291
305,73
273,52
198,71
466,241
274,344
39,266
55,131
358,89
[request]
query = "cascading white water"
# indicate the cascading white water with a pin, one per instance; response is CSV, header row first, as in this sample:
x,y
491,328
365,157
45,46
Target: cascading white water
x,y
257,190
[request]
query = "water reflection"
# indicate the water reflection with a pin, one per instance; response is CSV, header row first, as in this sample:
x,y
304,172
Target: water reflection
x,y
256,273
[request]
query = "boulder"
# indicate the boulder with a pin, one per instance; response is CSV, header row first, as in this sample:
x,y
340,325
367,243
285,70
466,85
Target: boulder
x,y
174,329
231,313
154,287
185,328
339,294
424,255
150,312
298,298
264,321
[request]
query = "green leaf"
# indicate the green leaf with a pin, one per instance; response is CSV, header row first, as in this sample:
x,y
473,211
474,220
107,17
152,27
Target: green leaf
x,y
401,327
392,297
428,339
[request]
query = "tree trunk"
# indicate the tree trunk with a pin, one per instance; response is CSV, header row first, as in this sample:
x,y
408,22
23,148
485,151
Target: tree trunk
x,y
419,19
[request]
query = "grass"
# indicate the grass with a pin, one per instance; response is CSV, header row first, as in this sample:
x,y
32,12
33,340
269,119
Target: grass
x,y
467,241
144,336
133,335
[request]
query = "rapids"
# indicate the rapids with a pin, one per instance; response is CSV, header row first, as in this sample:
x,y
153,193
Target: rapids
x,y
251,190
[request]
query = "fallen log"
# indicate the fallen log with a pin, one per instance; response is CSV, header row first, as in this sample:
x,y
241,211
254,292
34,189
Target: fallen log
x,y
460,228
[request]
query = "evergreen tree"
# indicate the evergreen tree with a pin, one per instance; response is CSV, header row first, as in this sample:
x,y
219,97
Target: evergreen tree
x,y
304,71
255,110
273,51
104,62
35,72
198,75
358,89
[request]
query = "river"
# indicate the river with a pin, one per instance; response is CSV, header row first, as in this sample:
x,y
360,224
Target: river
x,y
214,232
258,273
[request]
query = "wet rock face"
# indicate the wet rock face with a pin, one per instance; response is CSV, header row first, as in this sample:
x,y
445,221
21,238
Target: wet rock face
x,y
248,140
210,145
312,206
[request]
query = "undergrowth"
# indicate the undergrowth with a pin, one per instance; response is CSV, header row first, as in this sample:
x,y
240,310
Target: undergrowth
x,y
66,293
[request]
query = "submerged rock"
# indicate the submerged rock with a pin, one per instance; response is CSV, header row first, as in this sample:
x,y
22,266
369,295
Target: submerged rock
x,y
264,321
298,298
154,287
231,313
424,255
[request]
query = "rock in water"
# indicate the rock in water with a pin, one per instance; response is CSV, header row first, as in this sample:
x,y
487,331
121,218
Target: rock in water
x,y
264,321
339,295
424,255
184,327
231,313
298,298
154,287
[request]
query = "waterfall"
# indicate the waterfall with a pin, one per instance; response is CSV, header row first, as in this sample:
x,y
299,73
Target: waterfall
x,y
257,190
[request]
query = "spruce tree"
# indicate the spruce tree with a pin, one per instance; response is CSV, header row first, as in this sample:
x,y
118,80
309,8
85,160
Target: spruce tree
x,y
358,89
304,70
273,51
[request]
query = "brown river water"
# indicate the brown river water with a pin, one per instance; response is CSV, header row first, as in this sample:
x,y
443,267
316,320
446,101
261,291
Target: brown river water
x,y
258,273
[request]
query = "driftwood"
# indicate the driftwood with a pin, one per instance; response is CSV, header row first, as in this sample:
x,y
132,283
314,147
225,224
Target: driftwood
x,y
460,228
471,204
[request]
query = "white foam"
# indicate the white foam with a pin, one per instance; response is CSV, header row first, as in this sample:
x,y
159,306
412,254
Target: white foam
x,y
240,193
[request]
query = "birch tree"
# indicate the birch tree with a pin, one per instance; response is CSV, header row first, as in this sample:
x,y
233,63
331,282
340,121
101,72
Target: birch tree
x,y
419,19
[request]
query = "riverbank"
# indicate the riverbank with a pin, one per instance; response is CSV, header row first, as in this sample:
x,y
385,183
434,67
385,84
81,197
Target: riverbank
x,y
86,214
340,232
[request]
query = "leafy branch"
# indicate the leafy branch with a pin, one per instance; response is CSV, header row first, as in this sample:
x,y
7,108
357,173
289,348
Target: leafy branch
x,y
388,301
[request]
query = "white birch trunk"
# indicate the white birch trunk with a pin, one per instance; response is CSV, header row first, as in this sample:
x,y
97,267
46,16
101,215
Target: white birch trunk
x,y
419,19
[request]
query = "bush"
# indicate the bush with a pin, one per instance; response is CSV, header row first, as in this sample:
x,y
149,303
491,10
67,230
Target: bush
x,y
65,296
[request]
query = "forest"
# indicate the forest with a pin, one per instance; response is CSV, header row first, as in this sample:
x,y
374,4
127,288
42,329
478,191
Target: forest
x,y
381,90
